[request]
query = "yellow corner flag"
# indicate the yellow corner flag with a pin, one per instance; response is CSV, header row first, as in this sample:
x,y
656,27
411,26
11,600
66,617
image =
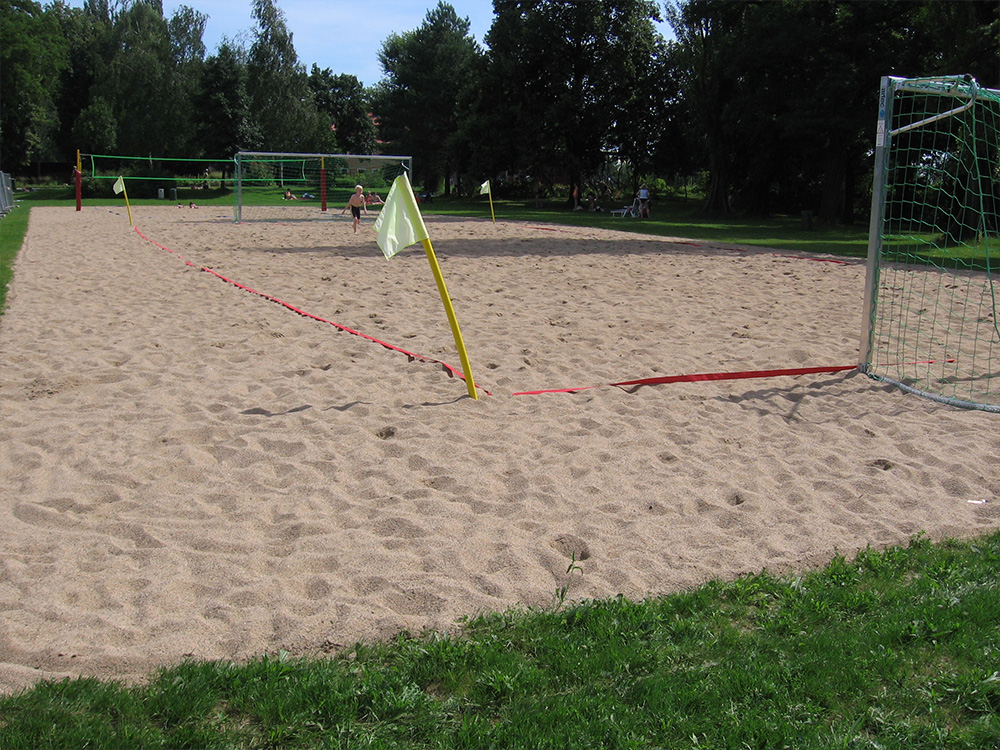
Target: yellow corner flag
x,y
119,187
485,189
399,224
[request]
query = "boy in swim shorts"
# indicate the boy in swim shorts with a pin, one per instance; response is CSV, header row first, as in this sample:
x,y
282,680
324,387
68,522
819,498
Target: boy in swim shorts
x,y
356,203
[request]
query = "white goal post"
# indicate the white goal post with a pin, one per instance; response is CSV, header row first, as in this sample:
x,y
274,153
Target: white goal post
x,y
274,185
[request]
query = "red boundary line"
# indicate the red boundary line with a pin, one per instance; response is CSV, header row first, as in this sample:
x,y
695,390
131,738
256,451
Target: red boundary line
x,y
629,385
632,385
452,372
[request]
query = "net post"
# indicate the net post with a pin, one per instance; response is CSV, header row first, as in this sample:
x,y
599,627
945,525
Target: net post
x,y
78,181
238,212
322,183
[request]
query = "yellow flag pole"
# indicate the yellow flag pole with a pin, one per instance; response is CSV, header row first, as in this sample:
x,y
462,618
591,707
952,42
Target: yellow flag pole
x,y
491,204
127,206
452,320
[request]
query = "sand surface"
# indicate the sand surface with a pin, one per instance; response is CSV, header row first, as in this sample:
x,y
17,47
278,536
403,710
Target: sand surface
x,y
188,469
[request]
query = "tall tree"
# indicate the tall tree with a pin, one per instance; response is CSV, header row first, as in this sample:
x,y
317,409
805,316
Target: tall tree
x,y
567,75
225,123
33,53
83,114
145,67
960,38
342,98
707,35
426,71
287,118
784,92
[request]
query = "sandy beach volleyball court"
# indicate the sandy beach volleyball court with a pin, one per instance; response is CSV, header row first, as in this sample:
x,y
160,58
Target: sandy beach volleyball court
x,y
188,470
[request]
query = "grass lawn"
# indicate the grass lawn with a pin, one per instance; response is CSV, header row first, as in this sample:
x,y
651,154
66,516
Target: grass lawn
x,y
12,230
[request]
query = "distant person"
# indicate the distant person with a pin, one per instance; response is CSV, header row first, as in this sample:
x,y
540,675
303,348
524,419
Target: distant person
x,y
356,203
373,199
643,196
289,196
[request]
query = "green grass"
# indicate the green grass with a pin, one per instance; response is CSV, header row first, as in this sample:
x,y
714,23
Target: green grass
x,y
682,218
894,649
13,227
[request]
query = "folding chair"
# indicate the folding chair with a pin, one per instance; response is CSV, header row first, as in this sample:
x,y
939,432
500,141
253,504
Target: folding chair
x,y
632,210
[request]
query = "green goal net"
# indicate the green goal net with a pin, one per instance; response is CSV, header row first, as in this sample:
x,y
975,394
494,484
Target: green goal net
x,y
931,297
276,186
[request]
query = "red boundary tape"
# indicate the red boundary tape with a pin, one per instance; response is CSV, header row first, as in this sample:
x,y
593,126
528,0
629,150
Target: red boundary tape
x,y
629,385
633,385
413,356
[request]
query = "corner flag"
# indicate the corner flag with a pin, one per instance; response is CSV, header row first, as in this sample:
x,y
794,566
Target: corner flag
x,y
399,223
485,189
119,187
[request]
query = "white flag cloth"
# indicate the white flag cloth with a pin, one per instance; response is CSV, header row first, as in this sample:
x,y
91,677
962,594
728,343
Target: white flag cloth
x,y
399,223
119,185
484,189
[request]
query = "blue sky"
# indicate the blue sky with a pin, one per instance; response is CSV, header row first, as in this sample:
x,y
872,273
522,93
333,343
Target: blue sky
x,y
342,35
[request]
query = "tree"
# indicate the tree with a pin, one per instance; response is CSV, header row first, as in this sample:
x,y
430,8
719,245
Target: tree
x,y
707,34
186,28
960,38
426,71
224,120
342,99
647,133
33,53
96,129
568,78
143,67
87,31
287,118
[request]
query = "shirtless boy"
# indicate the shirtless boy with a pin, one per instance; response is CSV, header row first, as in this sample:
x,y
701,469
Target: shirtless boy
x,y
356,203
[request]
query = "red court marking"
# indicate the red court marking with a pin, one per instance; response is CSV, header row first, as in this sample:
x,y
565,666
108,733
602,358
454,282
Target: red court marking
x,y
419,357
629,385
632,385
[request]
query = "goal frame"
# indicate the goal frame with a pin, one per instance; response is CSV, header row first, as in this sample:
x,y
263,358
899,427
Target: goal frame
x,y
965,91
240,180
